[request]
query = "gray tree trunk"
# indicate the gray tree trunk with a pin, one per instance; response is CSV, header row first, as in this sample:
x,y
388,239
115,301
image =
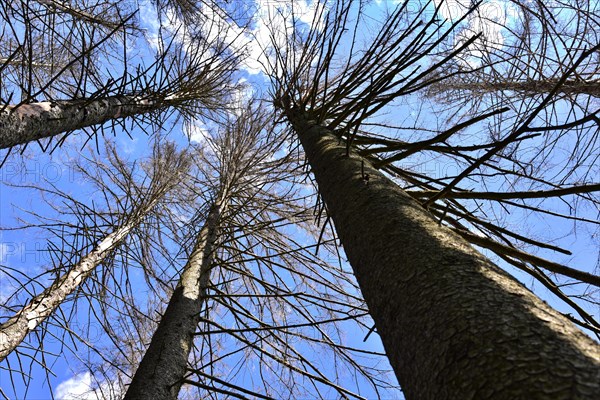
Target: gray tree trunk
x,y
76,13
529,88
29,122
13,331
160,373
453,324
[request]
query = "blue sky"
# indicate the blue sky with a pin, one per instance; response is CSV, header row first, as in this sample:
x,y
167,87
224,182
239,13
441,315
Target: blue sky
x,y
25,250
18,251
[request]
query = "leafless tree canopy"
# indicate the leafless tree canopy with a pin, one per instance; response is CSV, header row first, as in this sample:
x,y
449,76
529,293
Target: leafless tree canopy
x,y
489,120
500,163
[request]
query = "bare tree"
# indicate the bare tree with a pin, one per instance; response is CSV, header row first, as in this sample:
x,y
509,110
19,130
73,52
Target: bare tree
x,y
100,13
231,250
453,324
97,81
79,249
269,315
278,297
245,210
536,59
160,373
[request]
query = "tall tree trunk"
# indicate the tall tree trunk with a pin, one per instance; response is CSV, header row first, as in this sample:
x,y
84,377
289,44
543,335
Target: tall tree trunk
x,y
65,7
529,87
161,371
33,121
13,331
454,325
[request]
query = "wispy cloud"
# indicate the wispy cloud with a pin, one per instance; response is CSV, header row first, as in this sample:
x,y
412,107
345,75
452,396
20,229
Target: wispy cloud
x,y
196,131
273,22
490,19
80,387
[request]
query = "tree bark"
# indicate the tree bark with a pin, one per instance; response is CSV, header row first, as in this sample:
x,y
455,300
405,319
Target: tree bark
x,y
453,324
13,331
162,369
33,121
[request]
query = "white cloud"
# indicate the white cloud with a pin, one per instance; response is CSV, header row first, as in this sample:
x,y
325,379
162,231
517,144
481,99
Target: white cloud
x,y
489,19
453,9
78,387
273,23
197,131
307,10
242,96
170,24
149,21
271,17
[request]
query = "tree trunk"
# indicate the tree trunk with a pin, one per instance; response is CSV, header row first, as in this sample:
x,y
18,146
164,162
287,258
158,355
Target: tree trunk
x,y
529,87
78,14
454,325
33,121
161,371
13,331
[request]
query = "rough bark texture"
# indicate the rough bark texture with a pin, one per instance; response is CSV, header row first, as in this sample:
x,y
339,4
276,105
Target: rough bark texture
x,y
454,325
29,122
13,331
160,373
